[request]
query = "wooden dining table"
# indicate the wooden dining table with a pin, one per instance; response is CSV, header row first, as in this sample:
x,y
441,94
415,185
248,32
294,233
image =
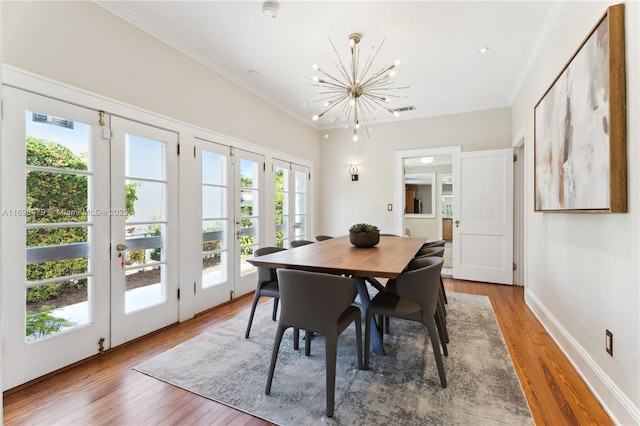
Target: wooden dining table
x,y
338,256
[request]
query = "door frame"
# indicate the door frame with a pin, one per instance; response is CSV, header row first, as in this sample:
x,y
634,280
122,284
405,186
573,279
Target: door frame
x,y
401,155
519,210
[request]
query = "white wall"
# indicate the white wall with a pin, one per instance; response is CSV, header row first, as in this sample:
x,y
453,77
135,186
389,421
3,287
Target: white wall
x,y
343,203
582,273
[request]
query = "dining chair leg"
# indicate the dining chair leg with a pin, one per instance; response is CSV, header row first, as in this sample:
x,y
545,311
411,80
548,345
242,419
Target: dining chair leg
x,y
307,342
439,326
274,357
253,311
296,338
440,311
431,328
444,293
331,348
275,307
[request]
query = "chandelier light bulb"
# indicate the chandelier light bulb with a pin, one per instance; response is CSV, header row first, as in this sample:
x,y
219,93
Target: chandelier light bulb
x,y
397,62
355,137
392,73
315,78
315,117
315,67
396,113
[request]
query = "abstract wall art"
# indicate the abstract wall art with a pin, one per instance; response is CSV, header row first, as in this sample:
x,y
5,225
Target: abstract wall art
x,y
580,127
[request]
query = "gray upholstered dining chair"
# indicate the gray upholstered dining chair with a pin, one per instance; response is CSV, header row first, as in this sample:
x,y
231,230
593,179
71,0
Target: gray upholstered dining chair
x,y
319,303
267,286
415,299
298,243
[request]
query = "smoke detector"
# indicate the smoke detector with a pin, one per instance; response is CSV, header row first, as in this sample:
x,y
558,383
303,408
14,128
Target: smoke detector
x,y
270,9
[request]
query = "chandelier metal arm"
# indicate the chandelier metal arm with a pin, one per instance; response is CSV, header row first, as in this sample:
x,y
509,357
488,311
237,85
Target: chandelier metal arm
x,y
371,59
333,105
341,68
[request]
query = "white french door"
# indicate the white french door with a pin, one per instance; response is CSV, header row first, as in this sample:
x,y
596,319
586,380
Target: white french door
x,y
483,219
144,237
89,227
249,216
291,202
55,228
215,226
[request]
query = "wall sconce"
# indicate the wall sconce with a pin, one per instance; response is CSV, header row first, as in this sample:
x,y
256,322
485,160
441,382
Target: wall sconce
x,y
353,171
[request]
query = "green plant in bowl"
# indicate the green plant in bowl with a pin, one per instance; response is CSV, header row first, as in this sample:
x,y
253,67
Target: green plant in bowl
x,y
364,228
364,235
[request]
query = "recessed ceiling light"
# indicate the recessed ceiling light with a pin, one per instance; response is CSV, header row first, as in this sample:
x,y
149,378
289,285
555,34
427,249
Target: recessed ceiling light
x,y
483,50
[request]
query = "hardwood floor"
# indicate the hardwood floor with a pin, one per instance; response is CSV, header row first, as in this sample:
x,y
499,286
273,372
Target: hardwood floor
x,y
106,390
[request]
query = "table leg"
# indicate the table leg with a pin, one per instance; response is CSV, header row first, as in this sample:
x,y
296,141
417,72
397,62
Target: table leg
x,y
376,344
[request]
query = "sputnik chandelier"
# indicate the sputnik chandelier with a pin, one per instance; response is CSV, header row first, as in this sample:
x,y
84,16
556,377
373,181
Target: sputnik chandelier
x,y
351,96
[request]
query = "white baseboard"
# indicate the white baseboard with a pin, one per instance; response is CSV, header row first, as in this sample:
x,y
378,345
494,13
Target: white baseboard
x,y
621,410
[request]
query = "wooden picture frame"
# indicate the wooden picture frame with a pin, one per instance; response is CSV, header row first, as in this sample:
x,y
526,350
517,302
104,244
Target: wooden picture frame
x,y
580,153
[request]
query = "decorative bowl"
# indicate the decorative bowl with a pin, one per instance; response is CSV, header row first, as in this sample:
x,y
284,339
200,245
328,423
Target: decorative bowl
x,y
364,240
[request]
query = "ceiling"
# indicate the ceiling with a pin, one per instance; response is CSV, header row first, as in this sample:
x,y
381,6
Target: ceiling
x,y
437,43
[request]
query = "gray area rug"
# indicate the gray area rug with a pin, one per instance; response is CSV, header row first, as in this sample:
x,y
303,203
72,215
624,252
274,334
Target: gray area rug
x,y
402,388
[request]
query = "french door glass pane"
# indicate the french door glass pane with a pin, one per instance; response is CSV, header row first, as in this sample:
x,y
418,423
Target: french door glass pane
x,y
145,158
145,225
249,214
282,206
214,219
58,265
300,205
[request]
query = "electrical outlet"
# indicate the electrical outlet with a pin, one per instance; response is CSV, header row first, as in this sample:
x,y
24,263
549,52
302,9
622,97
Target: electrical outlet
x,y
609,342
389,207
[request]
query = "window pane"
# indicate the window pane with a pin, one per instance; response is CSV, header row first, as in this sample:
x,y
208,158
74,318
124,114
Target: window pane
x,y
248,203
213,168
147,202
57,142
214,269
56,197
300,226
301,182
145,243
301,204
213,235
282,179
282,228
214,202
248,174
56,307
145,158
144,287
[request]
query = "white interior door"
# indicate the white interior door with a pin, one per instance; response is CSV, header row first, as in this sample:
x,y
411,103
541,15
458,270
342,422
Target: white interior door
x,y
144,231
483,218
55,237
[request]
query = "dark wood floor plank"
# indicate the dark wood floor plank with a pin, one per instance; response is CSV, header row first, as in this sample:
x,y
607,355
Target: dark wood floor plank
x,y
107,391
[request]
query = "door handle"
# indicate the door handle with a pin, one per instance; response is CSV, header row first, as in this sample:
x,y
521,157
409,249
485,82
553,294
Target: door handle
x,y
121,247
457,223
